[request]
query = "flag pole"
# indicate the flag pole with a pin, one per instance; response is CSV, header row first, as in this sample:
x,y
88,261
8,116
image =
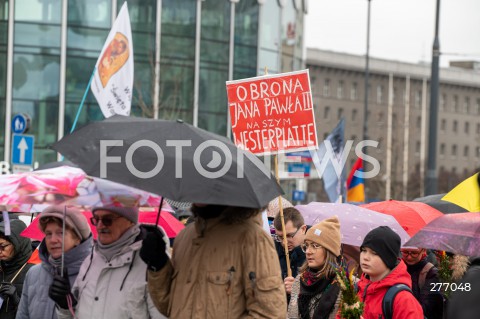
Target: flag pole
x,y
83,101
280,206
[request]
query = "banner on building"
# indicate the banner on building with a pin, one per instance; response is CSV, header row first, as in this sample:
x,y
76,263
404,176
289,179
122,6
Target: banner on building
x,y
112,83
273,113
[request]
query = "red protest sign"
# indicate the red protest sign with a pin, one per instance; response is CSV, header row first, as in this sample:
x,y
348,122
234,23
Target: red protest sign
x,y
272,113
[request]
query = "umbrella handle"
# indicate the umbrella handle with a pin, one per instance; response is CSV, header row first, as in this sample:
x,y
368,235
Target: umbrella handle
x,y
159,210
63,239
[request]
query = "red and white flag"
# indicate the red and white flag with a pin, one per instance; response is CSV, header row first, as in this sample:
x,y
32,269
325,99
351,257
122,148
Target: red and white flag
x,y
112,83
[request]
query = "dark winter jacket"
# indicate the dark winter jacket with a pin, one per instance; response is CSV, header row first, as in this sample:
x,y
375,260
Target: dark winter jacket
x,y
14,270
430,299
297,258
464,303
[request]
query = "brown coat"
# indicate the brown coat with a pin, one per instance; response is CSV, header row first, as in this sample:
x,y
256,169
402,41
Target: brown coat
x,y
231,271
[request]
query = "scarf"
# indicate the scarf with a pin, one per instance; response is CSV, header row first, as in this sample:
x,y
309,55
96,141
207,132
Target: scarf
x,y
56,263
121,244
317,294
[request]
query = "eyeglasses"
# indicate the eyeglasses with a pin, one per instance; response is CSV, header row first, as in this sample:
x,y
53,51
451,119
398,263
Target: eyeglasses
x,y
3,247
414,254
106,221
313,246
291,235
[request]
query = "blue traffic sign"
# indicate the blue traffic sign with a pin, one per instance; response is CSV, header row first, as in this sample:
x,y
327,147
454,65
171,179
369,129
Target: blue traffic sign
x,y
20,123
22,149
298,196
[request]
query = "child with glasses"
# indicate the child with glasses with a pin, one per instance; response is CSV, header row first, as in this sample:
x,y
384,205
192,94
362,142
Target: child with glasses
x,y
315,293
424,275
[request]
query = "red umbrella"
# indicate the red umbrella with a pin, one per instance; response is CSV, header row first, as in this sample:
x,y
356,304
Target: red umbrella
x,y
412,216
146,216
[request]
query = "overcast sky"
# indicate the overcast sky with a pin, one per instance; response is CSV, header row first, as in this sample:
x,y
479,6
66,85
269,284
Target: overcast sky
x,y
400,29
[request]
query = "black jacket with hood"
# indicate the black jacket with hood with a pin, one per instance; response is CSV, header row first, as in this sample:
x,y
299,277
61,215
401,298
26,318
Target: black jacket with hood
x,y
11,271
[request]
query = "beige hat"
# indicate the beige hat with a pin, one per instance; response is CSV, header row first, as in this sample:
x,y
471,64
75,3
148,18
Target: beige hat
x,y
327,234
273,208
73,218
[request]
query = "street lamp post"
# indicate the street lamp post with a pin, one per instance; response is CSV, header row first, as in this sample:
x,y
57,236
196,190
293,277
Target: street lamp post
x,y
365,106
431,178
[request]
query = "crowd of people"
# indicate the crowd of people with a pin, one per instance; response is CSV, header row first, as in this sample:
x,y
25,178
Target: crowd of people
x,y
222,265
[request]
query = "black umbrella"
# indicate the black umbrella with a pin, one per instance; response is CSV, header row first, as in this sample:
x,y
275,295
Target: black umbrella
x,y
170,158
436,202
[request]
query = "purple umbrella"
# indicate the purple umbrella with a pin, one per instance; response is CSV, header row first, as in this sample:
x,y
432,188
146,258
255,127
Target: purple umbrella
x,y
355,221
455,233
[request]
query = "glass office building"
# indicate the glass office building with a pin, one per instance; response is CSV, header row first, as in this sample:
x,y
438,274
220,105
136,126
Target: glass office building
x,y
184,51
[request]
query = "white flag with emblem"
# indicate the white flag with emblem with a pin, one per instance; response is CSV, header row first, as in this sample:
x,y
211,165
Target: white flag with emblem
x,y
113,79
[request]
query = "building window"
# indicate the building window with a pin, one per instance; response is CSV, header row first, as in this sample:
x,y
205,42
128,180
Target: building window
x,y
380,117
418,98
454,150
465,151
394,97
477,107
340,113
455,126
379,94
380,144
443,102
419,122
443,125
442,149
354,115
455,104
478,128
467,127
326,112
478,151
354,92
340,90
326,87
466,105
417,147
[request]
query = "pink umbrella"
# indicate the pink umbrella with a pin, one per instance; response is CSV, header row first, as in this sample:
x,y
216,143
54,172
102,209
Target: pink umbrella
x,y
146,216
355,221
455,233
33,191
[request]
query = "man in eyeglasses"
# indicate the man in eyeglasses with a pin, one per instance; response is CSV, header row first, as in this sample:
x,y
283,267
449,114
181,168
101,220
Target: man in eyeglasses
x,y
295,229
424,275
111,282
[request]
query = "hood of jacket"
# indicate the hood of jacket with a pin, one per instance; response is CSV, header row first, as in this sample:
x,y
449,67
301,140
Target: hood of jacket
x,y
368,289
73,258
22,246
398,275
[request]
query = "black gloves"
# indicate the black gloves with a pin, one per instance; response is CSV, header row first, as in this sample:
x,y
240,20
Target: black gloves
x,y
8,290
60,290
153,249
